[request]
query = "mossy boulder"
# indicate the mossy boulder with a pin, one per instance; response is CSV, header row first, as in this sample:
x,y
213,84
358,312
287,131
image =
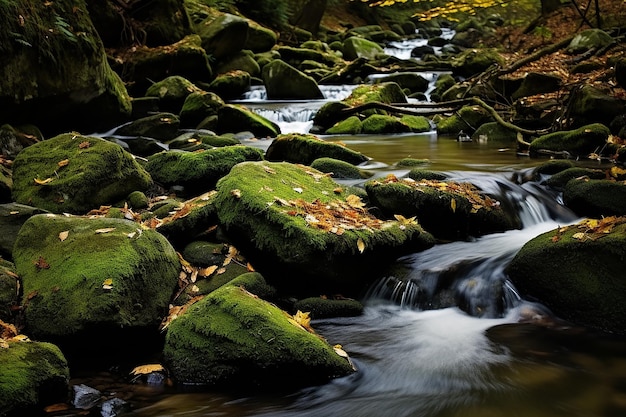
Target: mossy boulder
x,y
282,81
550,168
198,106
233,118
536,83
356,47
260,38
233,338
384,124
171,92
239,61
474,61
231,85
33,375
588,39
595,198
295,56
339,169
74,174
577,272
92,282
561,178
328,115
54,72
494,132
305,148
349,126
443,83
468,119
297,227
407,80
12,217
198,172
592,105
387,93
160,126
449,210
579,142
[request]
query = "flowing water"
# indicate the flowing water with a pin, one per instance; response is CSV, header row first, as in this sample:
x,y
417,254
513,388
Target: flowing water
x,y
444,332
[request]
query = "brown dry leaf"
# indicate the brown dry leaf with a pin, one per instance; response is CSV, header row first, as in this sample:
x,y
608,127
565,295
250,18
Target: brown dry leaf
x,y
7,330
84,145
4,344
43,182
208,271
55,408
63,235
41,263
63,163
355,201
249,267
104,230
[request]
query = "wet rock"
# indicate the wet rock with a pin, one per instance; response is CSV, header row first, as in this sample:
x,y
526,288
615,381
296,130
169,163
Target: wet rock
x,y
576,272
592,105
232,84
323,307
171,92
588,39
9,290
235,118
201,104
578,142
114,407
595,198
74,174
339,169
160,126
198,172
14,139
409,80
223,35
33,383
260,38
494,132
95,282
561,178
467,119
355,47
351,126
233,338
448,210
295,56
86,397
239,61
536,83
282,81
291,244
305,148
474,61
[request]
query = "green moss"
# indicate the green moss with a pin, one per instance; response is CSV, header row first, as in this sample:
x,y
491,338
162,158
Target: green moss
x,y
579,279
198,171
384,93
305,148
8,290
468,119
559,179
65,277
423,174
339,169
417,124
578,142
236,118
233,338
199,105
551,167
98,172
412,162
352,126
383,124
595,198
32,375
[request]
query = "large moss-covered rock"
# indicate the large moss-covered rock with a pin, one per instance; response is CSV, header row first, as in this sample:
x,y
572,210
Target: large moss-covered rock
x,y
577,272
588,39
448,210
304,233
171,92
33,375
295,56
305,148
474,61
356,47
240,61
579,142
198,106
592,105
339,169
161,126
410,80
233,338
197,172
560,179
388,92
350,126
468,118
231,85
91,281
260,38
233,118
595,198
282,81
54,72
74,174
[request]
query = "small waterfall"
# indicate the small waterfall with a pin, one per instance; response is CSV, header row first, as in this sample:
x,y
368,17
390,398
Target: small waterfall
x,y
470,274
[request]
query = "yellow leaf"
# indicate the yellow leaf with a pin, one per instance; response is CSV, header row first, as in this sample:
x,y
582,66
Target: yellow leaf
x,y
147,369
355,201
105,230
64,235
107,284
578,236
43,182
205,272
403,220
302,319
236,193
361,245
453,205
63,163
20,338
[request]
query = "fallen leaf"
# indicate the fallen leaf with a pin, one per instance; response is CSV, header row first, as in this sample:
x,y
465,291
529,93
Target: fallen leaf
x,y
205,272
303,319
579,236
355,201
41,263
63,235
360,245
43,182
84,145
104,230
453,205
63,163
236,193
298,190
147,369
107,284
